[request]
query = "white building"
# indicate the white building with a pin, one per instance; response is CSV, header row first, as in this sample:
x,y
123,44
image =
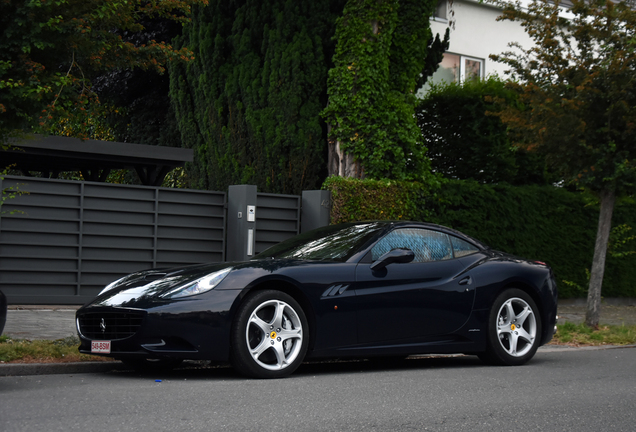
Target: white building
x,y
475,35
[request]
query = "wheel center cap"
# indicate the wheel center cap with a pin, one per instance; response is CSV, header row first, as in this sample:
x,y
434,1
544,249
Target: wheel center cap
x,y
513,327
273,335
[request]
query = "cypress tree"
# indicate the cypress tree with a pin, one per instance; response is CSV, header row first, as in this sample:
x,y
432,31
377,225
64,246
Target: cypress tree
x,y
249,103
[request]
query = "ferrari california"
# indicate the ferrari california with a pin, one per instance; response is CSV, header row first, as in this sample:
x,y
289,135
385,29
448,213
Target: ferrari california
x,y
3,311
355,290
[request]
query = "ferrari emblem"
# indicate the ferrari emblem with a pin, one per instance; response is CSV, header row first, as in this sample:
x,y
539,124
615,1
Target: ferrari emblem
x,y
272,335
513,327
102,325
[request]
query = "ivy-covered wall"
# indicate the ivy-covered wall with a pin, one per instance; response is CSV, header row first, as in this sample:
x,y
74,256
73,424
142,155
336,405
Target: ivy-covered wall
x,y
543,223
385,51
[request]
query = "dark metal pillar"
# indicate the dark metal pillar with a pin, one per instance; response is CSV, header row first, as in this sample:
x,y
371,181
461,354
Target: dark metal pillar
x,y
316,208
241,222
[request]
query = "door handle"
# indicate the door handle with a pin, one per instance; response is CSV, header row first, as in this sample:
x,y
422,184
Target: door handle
x,y
466,281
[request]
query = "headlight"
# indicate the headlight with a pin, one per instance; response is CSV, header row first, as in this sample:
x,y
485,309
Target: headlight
x,y
199,286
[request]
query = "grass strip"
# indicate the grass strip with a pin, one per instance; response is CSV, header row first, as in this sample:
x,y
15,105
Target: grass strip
x,y
43,351
581,335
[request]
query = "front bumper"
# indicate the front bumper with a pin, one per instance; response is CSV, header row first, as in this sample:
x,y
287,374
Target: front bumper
x,y
196,329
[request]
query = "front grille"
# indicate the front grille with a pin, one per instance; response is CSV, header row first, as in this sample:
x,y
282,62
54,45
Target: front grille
x,y
109,325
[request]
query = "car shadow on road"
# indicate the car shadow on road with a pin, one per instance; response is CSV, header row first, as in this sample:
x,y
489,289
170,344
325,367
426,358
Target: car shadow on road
x,y
202,371
387,364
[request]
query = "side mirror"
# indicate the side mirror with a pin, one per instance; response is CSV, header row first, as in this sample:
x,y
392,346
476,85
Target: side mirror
x,y
400,255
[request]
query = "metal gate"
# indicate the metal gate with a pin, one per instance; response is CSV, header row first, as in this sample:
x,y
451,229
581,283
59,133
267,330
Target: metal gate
x,y
62,241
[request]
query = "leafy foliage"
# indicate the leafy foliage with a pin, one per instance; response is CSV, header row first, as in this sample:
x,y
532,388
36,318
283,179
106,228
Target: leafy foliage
x,y
577,89
8,193
384,51
50,50
355,199
249,104
621,241
145,115
465,142
90,123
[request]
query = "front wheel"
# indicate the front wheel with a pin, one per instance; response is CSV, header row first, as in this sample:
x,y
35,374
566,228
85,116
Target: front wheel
x,y
514,329
270,335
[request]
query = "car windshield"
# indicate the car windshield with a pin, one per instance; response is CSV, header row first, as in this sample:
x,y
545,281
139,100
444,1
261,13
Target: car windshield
x,y
331,243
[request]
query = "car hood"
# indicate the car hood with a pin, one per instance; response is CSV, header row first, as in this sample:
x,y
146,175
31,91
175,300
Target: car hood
x,y
144,287
151,284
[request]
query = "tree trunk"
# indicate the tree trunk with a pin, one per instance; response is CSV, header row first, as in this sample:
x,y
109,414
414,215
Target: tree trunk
x,y
608,197
333,158
342,164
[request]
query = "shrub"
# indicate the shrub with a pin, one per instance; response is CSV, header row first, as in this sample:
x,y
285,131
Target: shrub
x,y
354,199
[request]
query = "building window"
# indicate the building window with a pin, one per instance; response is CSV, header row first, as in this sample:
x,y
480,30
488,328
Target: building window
x,y
449,69
441,11
454,68
472,68
458,68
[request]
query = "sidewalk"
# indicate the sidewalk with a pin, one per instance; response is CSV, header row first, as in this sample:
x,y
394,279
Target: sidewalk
x,y
40,322
57,322
614,311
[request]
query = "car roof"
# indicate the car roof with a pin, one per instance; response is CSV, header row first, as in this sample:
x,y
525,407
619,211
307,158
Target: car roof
x,y
390,224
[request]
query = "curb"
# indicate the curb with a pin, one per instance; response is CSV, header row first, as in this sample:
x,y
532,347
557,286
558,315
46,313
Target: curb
x,y
567,348
26,369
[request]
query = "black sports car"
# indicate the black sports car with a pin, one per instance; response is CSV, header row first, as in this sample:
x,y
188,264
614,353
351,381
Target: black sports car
x,y
3,311
367,289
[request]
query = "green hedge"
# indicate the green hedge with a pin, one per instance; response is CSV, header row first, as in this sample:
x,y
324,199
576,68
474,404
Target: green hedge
x,y
354,200
537,222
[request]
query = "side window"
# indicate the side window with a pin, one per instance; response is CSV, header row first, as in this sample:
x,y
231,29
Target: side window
x,y
426,244
462,248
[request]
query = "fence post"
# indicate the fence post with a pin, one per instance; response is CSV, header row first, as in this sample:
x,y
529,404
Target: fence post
x,y
316,206
241,222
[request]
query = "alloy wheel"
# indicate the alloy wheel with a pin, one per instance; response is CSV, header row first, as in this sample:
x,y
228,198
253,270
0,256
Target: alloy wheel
x,y
274,335
516,327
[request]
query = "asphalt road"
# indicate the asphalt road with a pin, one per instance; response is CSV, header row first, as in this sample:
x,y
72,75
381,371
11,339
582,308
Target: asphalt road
x,y
558,391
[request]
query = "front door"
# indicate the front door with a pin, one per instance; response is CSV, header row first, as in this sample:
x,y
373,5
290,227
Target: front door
x,y
413,301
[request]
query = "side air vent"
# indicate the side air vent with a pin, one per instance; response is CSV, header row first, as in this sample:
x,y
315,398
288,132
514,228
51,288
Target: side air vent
x,y
335,290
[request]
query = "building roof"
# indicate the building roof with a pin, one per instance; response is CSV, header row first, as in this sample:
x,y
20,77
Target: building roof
x,y
50,155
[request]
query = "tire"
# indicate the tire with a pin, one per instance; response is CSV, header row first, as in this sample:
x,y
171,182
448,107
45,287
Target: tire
x,y
270,335
151,365
514,329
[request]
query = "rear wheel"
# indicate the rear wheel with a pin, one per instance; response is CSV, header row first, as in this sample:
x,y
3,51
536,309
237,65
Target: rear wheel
x,y
269,336
514,329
